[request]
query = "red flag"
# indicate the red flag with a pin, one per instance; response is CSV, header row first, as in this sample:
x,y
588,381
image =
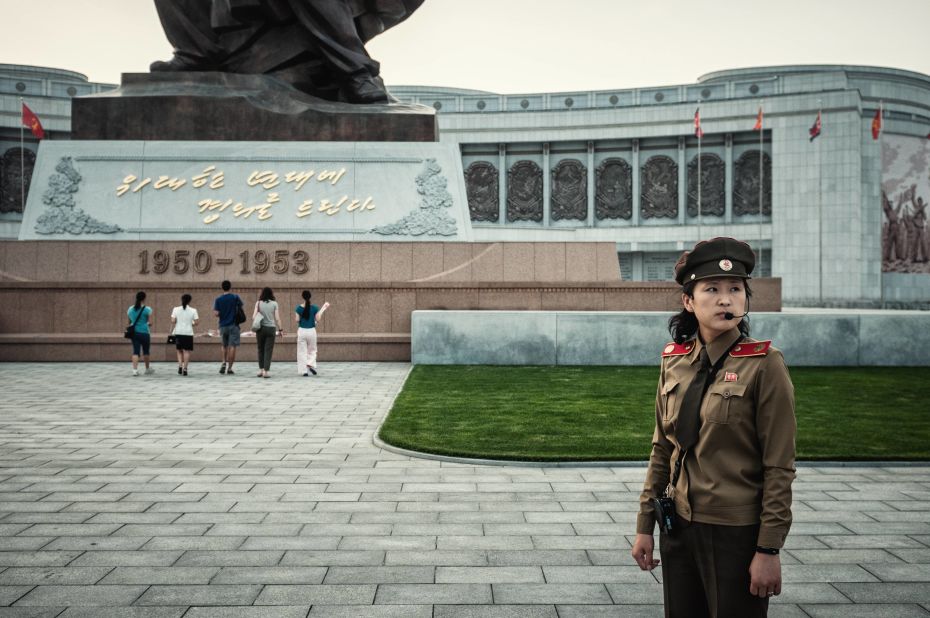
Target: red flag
x,y
815,130
877,123
31,122
758,126
698,131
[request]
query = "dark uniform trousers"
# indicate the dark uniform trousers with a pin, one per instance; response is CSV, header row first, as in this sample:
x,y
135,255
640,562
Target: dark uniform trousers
x,y
705,571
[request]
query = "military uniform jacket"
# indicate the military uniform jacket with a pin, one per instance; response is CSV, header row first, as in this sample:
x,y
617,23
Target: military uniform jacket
x,y
741,468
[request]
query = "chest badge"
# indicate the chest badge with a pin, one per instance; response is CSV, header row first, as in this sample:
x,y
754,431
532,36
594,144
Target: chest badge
x,y
730,377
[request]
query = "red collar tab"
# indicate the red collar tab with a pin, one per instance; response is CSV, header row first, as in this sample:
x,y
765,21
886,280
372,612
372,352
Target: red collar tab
x,y
751,348
678,349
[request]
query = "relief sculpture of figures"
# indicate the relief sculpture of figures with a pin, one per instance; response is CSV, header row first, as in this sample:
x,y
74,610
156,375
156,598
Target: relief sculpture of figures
x,y
15,171
614,195
660,188
905,237
482,190
713,186
318,46
746,184
524,192
569,190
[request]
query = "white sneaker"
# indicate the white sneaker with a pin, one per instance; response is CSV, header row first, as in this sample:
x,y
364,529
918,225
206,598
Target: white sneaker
x,y
149,371
135,372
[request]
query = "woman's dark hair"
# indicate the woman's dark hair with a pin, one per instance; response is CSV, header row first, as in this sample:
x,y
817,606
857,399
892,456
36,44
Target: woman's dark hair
x,y
185,300
305,314
267,295
684,325
140,296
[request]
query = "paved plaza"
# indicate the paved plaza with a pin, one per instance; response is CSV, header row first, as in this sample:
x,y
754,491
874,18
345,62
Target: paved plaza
x,y
230,496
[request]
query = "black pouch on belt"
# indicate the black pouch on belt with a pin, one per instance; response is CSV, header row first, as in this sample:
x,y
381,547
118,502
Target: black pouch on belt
x,y
665,514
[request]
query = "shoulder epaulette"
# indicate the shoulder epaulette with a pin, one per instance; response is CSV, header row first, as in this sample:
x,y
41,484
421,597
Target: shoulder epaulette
x,y
678,349
751,348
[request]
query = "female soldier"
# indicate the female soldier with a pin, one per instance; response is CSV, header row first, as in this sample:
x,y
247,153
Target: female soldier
x,y
723,447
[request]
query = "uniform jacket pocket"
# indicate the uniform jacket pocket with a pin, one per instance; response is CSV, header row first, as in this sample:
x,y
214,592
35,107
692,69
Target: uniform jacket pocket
x,y
670,392
719,399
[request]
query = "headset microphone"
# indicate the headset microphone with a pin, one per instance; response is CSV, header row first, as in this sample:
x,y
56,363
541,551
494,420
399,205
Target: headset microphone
x,y
730,316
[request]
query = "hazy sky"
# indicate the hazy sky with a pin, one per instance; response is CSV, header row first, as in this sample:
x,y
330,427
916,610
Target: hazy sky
x,y
512,46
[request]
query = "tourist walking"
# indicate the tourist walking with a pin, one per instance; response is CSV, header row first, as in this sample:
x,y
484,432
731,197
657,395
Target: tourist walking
x,y
184,318
140,317
722,462
266,308
228,309
306,316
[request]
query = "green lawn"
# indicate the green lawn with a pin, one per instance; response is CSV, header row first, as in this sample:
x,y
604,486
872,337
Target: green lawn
x,y
607,413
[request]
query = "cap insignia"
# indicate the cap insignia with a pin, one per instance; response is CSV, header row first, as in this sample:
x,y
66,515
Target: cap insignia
x,y
726,265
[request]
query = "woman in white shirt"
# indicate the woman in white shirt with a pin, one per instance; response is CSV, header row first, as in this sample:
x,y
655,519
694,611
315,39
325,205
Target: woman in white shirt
x,y
184,319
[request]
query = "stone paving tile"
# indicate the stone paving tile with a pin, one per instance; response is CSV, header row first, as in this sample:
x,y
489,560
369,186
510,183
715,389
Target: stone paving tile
x,y
612,611
65,576
526,594
166,512
885,610
160,575
83,595
217,594
123,612
415,594
37,612
284,611
316,594
371,611
911,592
9,594
489,575
495,611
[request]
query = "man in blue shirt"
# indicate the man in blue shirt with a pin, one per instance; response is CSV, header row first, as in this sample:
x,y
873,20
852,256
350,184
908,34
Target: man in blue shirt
x,y
225,308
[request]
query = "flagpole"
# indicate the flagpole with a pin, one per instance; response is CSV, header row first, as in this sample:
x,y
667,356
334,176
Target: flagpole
x,y
700,213
22,159
761,181
819,209
881,163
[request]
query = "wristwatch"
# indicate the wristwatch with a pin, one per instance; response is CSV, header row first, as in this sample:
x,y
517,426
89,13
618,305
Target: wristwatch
x,y
767,550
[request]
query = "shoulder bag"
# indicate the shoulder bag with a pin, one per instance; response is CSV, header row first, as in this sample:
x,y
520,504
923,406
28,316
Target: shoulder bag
x,y
131,329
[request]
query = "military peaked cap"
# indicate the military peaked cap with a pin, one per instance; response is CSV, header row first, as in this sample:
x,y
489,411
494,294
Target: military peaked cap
x,y
717,257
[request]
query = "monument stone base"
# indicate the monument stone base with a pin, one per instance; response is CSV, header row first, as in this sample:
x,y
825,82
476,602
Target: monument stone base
x,y
235,107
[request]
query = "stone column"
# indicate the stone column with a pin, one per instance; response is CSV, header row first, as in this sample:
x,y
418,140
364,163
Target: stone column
x,y
682,182
502,183
547,185
728,179
591,179
634,163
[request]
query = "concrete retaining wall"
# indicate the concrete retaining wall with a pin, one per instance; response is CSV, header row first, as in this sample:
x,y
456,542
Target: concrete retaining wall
x,y
814,338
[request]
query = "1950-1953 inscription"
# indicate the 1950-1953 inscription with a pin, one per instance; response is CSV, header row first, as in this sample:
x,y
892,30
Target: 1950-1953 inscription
x,y
260,261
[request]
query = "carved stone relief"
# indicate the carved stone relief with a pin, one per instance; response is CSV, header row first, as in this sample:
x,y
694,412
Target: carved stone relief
x,y
431,218
482,188
614,194
713,186
569,190
659,188
12,164
746,184
524,192
62,215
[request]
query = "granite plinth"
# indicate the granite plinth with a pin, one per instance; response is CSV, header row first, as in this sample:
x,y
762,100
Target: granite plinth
x,y
232,107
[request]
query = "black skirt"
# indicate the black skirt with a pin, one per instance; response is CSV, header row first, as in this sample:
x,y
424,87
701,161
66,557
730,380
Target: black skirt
x,y
184,342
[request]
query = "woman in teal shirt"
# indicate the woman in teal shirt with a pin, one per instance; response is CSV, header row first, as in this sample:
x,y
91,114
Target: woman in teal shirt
x,y
140,316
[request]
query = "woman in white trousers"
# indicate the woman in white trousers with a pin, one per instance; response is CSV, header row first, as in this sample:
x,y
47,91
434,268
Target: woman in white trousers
x,y
306,316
